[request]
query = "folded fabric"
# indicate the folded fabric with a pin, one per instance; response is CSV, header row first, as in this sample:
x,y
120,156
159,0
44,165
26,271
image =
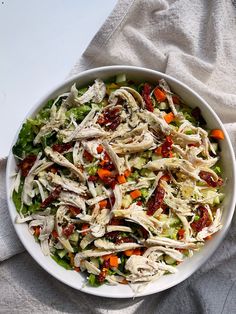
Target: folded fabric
x,y
194,42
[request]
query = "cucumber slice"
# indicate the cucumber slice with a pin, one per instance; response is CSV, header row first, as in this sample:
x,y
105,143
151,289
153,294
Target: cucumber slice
x,y
61,253
120,78
140,162
74,237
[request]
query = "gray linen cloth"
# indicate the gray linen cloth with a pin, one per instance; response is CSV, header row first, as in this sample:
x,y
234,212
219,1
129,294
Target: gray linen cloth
x,y
194,41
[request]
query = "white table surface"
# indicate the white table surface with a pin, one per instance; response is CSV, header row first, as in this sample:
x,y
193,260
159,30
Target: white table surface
x,y
40,40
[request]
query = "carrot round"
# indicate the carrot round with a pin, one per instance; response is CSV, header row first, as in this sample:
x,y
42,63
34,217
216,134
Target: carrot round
x,y
158,150
99,149
128,252
135,194
121,179
113,261
127,173
169,117
102,173
103,204
84,229
217,134
159,94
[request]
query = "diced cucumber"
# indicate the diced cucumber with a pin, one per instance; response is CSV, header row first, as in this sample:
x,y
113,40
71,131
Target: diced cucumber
x,y
126,201
216,200
95,261
155,157
163,105
121,78
163,217
61,253
140,162
74,237
169,260
147,154
144,192
215,146
147,173
170,233
217,170
174,221
92,170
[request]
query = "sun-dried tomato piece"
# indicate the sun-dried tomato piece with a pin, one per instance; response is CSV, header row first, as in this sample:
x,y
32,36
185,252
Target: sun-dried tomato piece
x,y
110,118
155,201
102,275
146,97
52,197
207,176
166,147
93,178
68,230
180,234
26,164
74,210
203,221
112,236
110,181
125,240
61,148
196,113
88,156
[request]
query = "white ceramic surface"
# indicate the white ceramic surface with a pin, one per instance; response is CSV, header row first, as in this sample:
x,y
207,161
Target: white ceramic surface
x,y
189,266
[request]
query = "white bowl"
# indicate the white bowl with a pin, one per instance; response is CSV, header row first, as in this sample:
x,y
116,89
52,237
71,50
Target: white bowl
x,y
189,266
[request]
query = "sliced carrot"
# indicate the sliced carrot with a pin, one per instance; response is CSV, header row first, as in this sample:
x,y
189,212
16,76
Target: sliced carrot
x,y
121,179
159,94
169,117
128,252
171,154
84,229
106,257
103,173
37,231
137,251
135,194
100,149
103,204
114,261
158,150
217,134
127,173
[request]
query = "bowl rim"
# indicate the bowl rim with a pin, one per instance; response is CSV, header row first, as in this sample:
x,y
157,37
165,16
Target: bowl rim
x,y
123,69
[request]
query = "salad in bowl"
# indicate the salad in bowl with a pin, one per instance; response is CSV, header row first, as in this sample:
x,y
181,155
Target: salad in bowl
x,y
119,180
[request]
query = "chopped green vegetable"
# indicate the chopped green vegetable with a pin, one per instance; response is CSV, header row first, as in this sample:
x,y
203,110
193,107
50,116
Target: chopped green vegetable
x,y
92,170
92,280
78,113
61,262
